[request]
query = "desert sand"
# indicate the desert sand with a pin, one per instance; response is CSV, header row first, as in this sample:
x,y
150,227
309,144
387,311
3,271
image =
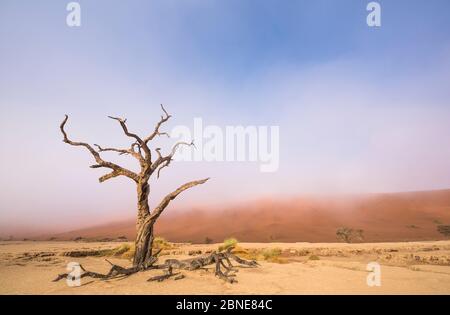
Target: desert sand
x,y
306,268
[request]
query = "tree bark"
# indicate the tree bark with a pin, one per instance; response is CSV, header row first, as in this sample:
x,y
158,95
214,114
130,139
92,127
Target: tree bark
x,y
144,244
144,226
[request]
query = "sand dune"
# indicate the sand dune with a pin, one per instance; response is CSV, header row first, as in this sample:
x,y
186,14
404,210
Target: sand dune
x,y
383,217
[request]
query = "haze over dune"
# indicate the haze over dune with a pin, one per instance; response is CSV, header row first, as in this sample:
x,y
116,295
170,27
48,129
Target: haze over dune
x,y
383,217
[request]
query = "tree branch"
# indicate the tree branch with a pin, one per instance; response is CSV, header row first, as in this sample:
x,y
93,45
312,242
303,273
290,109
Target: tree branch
x,y
120,151
167,199
108,176
156,132
117,170
164,161
122,123
130,151
166,164
139,142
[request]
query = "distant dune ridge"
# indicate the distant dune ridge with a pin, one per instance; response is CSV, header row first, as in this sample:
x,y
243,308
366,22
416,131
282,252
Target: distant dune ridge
x,y
383,217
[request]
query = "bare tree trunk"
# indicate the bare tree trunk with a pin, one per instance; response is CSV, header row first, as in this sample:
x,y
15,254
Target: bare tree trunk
x,y
144,226
144,243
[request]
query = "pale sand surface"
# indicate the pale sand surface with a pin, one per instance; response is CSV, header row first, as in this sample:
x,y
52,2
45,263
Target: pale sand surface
x,y
406,268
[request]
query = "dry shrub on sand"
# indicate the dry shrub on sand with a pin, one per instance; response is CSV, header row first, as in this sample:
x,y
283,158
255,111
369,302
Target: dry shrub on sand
x,y
162,243
127,250
273,255
260,254
349,235
229,242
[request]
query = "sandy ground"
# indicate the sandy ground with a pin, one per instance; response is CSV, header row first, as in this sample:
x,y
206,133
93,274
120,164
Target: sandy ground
x,y
406,268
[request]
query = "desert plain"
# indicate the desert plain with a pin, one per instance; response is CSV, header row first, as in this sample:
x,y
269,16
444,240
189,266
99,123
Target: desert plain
x,y
28,267
401,234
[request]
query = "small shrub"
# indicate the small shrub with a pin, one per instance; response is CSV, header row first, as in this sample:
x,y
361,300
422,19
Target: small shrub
x,y
229,242
273,255
314,257
267,254
444,230
130,253
161,243
270,253
349,235
123,251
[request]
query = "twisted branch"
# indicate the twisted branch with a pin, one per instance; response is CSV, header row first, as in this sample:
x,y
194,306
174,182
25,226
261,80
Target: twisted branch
x,y
164,161
156,132
141,144
116,169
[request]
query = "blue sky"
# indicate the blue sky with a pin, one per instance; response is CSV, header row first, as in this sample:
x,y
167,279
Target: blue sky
x,y
359,109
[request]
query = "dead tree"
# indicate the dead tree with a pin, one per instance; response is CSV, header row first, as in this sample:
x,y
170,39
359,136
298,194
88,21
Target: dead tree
x,y
215,258
149,165
144,257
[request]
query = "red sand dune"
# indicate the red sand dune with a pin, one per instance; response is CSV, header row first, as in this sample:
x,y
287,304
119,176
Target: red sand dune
x,y
383,217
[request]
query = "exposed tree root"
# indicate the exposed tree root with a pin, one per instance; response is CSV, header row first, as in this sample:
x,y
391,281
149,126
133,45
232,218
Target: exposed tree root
x,y
114,272
217,258
167,274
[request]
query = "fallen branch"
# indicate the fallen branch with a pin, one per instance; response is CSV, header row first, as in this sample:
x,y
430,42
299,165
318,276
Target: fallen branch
x,y
217,258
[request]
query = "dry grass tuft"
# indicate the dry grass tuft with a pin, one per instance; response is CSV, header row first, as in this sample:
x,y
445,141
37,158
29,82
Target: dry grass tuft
x,y
314,257
229,242
272,255
161,243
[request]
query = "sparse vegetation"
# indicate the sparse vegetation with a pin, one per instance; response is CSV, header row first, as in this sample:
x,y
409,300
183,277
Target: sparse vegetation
x,y
273,255
229,242
444,230
261,254
161,243
314,257
125,250
122,249
349,235
208,240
